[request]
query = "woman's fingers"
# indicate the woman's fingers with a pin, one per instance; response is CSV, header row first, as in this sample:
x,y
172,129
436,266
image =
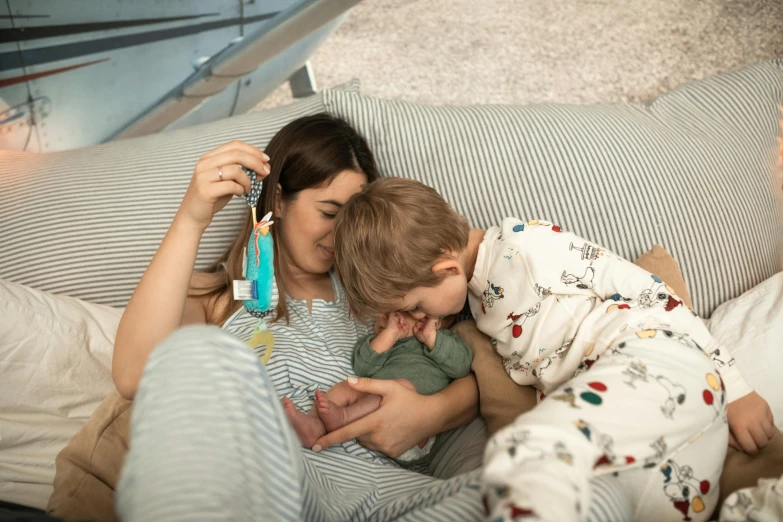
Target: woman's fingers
x,y
375,386
235,156
236,144
215,191
230,173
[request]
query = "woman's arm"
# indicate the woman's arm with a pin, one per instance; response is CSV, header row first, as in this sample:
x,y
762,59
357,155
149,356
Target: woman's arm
x,y
158,306
458,405
501,400
405,418
160,303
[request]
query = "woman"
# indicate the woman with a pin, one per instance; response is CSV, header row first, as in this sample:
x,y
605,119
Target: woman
x,y
209,437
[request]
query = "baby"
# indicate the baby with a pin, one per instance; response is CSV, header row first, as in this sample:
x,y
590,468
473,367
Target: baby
x,y
417,354
630,379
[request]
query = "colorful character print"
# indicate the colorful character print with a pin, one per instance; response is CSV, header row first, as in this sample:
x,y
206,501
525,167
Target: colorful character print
x,y
659,448
683,489
516,325
592,396
605,443
491,294
585,282
589,252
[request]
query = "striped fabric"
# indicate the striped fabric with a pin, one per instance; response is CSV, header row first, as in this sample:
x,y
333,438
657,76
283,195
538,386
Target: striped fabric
x,y
204,393
86,222
690,170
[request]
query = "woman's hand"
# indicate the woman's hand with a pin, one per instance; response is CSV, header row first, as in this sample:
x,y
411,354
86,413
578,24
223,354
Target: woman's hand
x,y
404,419
217,178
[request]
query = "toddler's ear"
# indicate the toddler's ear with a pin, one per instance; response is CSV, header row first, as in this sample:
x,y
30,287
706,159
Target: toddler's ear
x,y
451,266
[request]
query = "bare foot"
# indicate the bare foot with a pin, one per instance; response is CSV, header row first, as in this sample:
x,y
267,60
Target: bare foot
x,y
308,428
333,416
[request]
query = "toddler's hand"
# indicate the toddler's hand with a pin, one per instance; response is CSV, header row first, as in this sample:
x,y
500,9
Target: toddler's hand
x,y
426,331
750,422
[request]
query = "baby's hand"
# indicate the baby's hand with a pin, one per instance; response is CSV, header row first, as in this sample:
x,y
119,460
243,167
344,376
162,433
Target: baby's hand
x,y
751,423
426,331
398,325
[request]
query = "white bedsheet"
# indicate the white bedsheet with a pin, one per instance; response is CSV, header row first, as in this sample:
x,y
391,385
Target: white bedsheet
x,y
55,368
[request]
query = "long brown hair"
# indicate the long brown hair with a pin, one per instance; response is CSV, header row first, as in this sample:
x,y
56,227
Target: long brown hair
x,y
308,152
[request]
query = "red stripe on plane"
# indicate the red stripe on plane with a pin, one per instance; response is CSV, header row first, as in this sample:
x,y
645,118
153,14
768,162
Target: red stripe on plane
x,y
35,76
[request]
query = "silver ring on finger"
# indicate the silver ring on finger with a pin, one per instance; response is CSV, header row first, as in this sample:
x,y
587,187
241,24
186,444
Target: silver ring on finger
x,y
220,174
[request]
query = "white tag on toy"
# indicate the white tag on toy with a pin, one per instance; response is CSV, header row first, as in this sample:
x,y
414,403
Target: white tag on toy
x,y
244,290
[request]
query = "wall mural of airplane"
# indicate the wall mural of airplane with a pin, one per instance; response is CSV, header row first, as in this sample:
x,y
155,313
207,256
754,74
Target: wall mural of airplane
x,y
75,73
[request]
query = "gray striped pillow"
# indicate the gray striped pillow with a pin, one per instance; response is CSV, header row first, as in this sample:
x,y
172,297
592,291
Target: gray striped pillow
x,y
690,170
86,222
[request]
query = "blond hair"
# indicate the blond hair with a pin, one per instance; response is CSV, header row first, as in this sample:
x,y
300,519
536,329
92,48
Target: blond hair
x,y
388,237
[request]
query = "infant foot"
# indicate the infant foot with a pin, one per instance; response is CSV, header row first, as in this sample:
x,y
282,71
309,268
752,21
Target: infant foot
x,y
333,416
308,428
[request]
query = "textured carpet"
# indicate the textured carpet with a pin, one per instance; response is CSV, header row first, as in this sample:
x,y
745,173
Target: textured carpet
x,y
526,51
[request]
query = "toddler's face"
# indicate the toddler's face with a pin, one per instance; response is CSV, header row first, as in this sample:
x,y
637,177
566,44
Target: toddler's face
x,y
448,298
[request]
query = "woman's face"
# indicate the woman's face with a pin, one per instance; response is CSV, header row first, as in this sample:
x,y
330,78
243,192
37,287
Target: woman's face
x,y
306,222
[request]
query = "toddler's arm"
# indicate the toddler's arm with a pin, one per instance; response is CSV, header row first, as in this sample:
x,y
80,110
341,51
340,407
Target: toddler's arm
x,y
563,263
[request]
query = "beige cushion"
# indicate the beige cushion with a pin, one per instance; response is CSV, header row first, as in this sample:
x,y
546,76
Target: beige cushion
x,y
659,262
89,466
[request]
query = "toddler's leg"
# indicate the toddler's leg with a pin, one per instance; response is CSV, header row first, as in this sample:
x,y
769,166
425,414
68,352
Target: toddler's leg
x,y
635,408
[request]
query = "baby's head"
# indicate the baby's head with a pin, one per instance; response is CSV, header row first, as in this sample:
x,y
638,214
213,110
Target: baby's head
x,y
397,245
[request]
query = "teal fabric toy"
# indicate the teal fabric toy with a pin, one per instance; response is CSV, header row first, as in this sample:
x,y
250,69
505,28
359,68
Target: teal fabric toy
x,y
259,267
259,271
259,256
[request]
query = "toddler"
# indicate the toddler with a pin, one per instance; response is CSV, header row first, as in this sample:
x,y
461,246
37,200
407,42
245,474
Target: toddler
x,y
630,379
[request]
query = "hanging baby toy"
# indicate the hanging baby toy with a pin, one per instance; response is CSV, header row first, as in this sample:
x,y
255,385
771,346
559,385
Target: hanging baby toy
x,y
258,269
